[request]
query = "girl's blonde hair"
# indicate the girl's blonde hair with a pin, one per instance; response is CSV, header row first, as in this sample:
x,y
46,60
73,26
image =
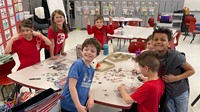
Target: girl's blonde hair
x,y
53,24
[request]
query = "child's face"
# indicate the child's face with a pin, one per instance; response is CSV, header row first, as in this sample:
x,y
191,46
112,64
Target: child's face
x,y
99,23
160,42
59,19
26,32
89,53
149,44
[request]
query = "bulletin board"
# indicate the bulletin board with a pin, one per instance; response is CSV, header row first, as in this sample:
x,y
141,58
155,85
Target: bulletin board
x,y
11,13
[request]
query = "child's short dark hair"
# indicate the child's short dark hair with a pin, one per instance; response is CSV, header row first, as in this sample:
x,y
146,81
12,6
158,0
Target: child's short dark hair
x,y
92,41
98,17
25,23
166,31
149,58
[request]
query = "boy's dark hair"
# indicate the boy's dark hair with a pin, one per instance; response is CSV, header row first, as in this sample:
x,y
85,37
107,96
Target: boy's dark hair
x,y
98,17
92,41
25,23
166,31
54,27
150,59
150,37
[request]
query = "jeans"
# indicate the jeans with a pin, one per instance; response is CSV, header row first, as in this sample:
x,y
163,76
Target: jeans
x,y
178,104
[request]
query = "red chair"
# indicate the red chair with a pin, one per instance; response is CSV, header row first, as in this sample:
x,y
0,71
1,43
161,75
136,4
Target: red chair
x,y
137,44
174,42
4,80
151,22
115,24
133,23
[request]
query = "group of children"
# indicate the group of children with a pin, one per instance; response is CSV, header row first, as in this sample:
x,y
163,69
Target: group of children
x,y
166,88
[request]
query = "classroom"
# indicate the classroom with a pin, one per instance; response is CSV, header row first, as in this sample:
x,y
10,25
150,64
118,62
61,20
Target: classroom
x,y
89,55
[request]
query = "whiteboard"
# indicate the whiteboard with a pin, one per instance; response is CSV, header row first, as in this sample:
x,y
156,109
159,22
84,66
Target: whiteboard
x,y
193,5
56,4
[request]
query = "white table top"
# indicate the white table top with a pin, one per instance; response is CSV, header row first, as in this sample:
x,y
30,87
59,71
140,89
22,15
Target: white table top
x,y
166,25
120,19
131,32
104,84
45,71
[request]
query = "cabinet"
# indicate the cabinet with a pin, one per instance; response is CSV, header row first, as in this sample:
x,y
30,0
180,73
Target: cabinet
x,y
177,20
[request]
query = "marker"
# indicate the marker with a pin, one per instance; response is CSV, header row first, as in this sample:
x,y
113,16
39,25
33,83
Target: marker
x,y
34,78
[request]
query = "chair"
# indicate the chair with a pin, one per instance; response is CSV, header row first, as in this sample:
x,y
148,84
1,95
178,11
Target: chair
x,y
137,44
4,80
133,23
115,24
151,22
174,42
192,28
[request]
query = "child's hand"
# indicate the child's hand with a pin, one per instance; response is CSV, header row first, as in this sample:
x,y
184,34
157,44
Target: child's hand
x,y
121,87
90,103
110,19
133,89
81,108
34,33
169,78
53,57
86,18
16,36
64,54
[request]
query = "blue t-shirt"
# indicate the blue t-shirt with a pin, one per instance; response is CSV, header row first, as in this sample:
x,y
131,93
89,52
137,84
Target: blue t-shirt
x,y
84,76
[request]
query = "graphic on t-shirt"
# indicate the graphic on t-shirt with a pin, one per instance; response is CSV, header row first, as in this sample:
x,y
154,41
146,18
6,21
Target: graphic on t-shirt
x,y
86,81
60,38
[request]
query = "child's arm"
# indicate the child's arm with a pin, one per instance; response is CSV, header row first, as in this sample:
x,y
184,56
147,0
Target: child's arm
x,y
189,70
74,95
125,95
63,49
52,50
90,102
44,38
110,29
8,48
110,20
87,20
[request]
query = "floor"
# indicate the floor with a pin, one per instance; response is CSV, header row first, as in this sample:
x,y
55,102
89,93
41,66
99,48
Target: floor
x,y
191,51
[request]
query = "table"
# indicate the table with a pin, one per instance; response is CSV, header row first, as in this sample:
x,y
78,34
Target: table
x,y
122,19
130,32
43,74
104,86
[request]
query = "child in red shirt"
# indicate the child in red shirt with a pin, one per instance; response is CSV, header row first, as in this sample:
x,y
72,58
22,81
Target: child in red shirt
x,y
99,29
27,44
149,94
57,33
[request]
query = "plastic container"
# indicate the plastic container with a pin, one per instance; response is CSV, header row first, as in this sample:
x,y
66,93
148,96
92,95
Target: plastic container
x,y
105,50
198,26
138,52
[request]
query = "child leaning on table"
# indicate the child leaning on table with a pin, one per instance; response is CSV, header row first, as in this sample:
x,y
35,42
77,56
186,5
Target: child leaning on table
x,y
174,71
77,96
99,29
149,94
27,44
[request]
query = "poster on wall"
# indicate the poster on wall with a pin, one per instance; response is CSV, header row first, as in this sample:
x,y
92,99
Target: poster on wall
x,y
3,13
19,0
14,30
12,21
21,16
1,50
5,24
2,3
17,16
20,7
9,2
7,34
10,11
15,1
16,8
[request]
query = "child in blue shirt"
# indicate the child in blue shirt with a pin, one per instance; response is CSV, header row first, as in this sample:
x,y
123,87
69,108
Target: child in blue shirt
x,y
77,96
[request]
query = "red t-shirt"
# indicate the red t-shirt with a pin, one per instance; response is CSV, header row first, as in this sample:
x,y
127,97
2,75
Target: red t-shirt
x,y
59,39
148,95
28,51
100,34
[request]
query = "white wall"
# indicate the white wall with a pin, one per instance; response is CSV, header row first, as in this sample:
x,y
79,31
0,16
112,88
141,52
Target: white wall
x,y
193,5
